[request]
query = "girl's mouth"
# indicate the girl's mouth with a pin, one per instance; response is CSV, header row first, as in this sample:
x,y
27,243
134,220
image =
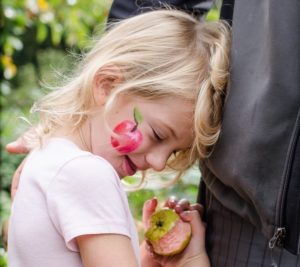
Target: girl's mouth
x,y
129,166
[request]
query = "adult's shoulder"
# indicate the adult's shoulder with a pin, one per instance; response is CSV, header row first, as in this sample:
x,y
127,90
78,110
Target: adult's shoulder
x,y
121,9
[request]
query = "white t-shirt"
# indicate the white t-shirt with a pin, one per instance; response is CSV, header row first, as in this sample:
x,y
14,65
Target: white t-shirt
x,y
65,192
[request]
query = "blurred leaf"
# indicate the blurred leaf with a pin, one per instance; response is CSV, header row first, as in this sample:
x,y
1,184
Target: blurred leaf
x,y
5,205
3,258
20,19
10,69
8,48
42,32
56,32
15,42
213,14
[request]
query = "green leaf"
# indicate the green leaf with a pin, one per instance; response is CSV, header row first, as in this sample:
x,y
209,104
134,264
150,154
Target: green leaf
x,y
138,118
213,14
42,32
56,32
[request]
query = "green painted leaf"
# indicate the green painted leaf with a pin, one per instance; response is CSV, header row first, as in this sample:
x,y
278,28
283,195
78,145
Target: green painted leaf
x,y
138,117
56,32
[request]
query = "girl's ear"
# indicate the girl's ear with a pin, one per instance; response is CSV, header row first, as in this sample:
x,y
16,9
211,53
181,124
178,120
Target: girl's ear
x,y
104,82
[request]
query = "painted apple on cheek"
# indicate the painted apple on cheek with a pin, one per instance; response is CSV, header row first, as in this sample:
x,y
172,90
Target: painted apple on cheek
x,y
128,137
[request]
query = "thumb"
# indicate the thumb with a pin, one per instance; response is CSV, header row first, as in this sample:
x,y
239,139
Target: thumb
x,y
148,209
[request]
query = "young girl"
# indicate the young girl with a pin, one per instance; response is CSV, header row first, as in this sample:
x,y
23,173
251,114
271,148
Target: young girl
x,y
147,96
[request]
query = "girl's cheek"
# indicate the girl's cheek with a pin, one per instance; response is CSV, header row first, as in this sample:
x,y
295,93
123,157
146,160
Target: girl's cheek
x,y
127,137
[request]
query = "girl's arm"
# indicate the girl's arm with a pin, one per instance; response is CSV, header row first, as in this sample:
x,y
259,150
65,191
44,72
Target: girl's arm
x,y
112,250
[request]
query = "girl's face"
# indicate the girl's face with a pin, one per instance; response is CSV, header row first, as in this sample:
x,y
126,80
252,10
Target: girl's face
x,y
166,128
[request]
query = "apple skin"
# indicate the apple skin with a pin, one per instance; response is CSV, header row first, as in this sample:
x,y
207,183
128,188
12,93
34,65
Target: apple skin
x,y
168,233
128,137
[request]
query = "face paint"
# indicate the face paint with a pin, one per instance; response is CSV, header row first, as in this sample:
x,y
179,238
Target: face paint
x,y
128,136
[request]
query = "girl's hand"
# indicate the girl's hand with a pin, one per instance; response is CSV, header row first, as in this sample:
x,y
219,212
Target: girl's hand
x,y
195,253
147,258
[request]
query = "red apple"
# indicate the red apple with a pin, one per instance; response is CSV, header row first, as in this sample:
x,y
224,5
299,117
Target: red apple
x,y
128,137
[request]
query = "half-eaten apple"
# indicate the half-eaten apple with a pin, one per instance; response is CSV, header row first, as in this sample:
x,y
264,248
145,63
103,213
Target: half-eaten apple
x,y
168,233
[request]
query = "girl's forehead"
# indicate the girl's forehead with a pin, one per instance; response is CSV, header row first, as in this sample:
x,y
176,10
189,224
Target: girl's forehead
x,y
175,106
175,113
171,108
166,101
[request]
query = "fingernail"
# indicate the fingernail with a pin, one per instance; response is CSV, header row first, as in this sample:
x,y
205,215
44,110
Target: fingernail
x,y
150,202
11,143
186,215
172,198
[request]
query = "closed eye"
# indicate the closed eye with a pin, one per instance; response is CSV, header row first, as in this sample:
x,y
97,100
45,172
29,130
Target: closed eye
x,y
157,136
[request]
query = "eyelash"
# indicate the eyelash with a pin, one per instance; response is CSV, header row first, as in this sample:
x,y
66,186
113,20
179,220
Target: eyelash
x,y
156,136
159,139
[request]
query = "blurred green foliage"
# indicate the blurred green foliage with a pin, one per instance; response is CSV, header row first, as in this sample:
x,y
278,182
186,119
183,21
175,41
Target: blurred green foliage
x,y
27,26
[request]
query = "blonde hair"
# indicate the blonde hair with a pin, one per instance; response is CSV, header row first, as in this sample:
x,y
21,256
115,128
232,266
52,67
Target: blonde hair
x,y
162,53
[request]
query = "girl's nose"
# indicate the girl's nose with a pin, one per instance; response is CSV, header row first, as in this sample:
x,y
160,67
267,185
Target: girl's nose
x,y
157,160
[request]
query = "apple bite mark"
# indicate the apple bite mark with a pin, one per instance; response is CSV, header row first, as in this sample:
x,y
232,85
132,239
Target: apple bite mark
x,y
168,234
128,138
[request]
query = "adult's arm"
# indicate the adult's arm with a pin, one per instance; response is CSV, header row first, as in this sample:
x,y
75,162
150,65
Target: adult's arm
x,y
253,159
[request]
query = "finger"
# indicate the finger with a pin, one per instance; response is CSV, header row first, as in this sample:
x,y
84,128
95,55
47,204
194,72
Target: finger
x,y
148,254
148,208
148,246
182,205
16,179
150,250
17,147
171,202
199,208
197,225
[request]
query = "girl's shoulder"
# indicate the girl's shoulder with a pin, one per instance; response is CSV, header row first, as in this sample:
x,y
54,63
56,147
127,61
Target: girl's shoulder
x,y
61,161
83,175
82,166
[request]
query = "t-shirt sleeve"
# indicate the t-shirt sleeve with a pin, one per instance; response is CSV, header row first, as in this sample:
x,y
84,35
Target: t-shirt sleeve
x,y
86,197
